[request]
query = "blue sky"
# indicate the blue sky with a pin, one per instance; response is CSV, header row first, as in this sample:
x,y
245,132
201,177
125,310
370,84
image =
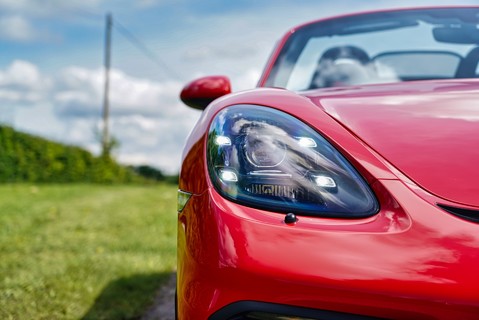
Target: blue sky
x,y
52,54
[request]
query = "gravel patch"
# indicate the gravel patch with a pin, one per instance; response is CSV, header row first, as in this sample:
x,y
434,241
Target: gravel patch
x,y
164,305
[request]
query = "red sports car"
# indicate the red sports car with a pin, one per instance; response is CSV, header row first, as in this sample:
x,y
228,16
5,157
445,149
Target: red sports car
x,y
346,186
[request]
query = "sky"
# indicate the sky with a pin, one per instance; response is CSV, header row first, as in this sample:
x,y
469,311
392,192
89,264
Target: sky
x,y
51,63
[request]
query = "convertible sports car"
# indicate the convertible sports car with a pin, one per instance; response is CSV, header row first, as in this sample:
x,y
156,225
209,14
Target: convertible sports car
x,y
346,185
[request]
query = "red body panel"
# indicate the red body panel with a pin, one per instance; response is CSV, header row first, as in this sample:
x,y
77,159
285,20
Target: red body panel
x,y
411,124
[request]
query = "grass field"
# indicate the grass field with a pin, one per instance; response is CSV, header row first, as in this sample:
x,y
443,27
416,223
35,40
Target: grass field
x,y
84,251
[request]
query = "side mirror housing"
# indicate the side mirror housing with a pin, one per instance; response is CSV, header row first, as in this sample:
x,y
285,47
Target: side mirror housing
x,y
199,93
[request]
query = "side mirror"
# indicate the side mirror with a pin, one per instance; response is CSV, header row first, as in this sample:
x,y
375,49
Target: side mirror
x,y
199,93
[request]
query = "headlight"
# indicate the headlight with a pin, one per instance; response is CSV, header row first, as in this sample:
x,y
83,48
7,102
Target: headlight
x,y
264,158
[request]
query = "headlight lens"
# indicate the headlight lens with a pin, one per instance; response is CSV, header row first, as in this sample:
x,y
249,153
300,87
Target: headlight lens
x,y
265,158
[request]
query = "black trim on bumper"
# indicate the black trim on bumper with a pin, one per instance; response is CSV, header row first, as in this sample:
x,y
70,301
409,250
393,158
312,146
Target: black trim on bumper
x,y
240,310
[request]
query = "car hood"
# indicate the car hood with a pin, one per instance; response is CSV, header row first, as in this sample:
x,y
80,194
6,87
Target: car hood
x,y
427,130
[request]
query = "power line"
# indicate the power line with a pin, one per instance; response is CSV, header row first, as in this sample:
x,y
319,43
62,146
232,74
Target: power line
x,y
144,49
130,36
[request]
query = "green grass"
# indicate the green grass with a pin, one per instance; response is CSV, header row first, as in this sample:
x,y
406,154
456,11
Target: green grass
x,y
84,251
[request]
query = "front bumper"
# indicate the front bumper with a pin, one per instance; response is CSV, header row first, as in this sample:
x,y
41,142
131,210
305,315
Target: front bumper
x,y
411,261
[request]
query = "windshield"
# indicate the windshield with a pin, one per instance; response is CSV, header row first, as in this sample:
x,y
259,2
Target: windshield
x,y
379,48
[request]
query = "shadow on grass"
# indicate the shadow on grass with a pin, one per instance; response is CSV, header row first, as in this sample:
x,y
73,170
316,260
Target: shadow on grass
x,y
128,297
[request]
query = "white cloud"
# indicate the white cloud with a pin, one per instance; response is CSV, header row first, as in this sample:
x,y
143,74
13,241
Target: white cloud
x,y
147,3
156,141
80,93
246,80
14,4
16,28
22,82
205,52
43,7
30,20
21,73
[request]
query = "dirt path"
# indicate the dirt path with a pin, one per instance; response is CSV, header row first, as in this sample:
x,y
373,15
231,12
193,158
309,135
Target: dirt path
x,y
164,305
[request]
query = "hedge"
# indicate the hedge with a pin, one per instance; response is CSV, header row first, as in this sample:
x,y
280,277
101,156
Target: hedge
x,y
28,158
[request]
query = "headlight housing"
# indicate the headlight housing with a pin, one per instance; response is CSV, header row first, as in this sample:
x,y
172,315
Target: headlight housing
x,y
264,158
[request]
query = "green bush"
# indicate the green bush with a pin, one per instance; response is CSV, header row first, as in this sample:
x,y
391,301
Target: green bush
x,y
27,158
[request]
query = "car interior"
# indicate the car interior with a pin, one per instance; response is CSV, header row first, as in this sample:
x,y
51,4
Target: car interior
x,y
350,65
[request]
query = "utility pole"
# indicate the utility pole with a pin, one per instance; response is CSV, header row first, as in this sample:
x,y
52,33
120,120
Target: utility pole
x,y
106,102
